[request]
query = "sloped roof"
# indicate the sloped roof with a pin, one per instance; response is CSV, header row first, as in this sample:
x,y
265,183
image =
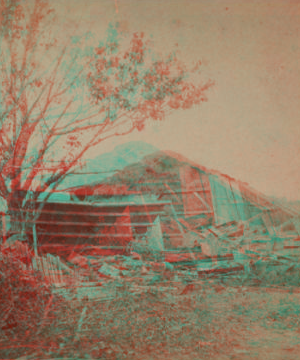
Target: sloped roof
x,y
164,166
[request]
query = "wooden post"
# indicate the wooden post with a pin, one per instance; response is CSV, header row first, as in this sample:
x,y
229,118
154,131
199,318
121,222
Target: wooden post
x,y
3,228
34,240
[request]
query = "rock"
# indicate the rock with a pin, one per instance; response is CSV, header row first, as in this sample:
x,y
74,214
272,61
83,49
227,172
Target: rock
x,y
169,266
136,256
155,279
144,270
159,267
79,260
188,289
109,270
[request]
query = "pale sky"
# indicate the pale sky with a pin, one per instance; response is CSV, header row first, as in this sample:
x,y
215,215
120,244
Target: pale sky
x,y
249,128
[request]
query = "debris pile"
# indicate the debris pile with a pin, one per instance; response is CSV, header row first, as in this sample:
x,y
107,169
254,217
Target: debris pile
x,y
253,252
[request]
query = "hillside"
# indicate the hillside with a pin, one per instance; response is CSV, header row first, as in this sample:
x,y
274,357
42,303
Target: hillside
x,y
103,165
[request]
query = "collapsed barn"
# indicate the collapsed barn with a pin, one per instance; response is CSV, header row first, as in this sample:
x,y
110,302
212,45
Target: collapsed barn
x,y
189,206
166,203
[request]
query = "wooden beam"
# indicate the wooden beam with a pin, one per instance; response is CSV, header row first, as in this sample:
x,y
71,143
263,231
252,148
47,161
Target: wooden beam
x,y
92,213
83,235
172,192
34,240
296,222
203,201
266,217
78,223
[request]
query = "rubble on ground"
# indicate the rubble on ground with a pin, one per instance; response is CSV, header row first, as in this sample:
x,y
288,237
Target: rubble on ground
x,y
252,252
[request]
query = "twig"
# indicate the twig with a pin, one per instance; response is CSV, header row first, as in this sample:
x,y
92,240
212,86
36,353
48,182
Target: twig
x,y
45,314
80,322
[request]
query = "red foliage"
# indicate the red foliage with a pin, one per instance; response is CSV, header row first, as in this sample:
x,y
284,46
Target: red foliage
x,y
24,294
130,83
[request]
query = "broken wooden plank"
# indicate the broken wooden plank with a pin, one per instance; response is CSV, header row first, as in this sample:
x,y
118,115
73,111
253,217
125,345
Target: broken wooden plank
x,y
220,271
202,200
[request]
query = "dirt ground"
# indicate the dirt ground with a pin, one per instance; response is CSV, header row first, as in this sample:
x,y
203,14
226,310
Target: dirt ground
x,y
203,320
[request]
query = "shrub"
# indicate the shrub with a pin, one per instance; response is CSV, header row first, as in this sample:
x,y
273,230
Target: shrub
x,y
24,293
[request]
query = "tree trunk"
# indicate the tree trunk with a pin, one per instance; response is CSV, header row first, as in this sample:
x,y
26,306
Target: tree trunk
x,y
18,215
